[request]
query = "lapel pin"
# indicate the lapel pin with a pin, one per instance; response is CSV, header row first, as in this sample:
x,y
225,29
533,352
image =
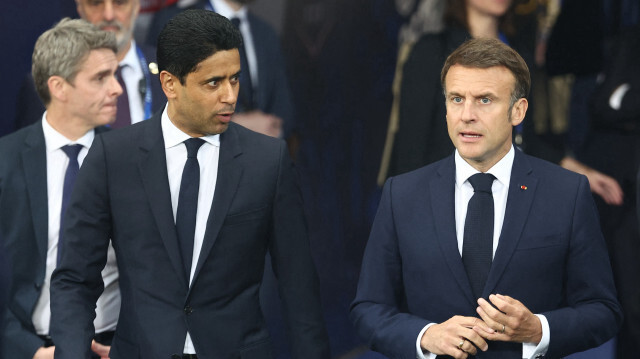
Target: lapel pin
x,y
524,188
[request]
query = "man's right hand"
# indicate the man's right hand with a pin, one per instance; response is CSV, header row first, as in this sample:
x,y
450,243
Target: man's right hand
x,y
44,353
455,337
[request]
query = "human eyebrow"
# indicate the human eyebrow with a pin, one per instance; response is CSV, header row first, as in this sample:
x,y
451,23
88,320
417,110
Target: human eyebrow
x,y
102,74
213,79
486,95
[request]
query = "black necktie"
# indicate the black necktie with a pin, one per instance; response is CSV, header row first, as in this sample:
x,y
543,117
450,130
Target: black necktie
x,y
477,248
70,175
245,97
123,115
188,203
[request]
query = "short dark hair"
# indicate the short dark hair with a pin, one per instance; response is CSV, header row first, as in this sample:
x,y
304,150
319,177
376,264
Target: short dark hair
x,y
192,36
484,53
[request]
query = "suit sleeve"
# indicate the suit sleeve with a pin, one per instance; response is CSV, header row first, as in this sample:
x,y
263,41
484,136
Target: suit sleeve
x,y
377,309
293,266
77,283
591,314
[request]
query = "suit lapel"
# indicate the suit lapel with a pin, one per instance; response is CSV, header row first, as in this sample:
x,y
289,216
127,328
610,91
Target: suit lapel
x,y
229,173
522,189
153,171
443,208
34,162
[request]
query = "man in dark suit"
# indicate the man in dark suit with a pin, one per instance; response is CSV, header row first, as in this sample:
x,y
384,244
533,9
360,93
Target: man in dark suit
x,y
192,223
138,73
264,101
73,66
452,272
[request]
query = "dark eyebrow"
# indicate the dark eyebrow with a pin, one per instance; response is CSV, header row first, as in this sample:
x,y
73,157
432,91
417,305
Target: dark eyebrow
x,y
215,78
219,78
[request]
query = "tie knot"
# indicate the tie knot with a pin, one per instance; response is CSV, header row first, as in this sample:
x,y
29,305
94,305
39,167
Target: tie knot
x,y
72,151
236,22
482,182
193,145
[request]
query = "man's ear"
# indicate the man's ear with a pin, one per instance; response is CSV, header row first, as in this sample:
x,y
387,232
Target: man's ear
x,y
169,83
58,88
518,111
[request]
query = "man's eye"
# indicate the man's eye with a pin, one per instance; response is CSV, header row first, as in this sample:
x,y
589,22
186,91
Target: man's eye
x,y
213,83
485,100
235,79
456,99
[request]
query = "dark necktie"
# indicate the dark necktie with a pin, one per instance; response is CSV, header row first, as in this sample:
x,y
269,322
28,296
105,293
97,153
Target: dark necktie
x,y
477,248
245,97
123,115
188,203
70,175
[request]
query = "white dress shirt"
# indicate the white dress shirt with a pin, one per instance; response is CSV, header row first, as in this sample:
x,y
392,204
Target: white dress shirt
x,y
500,189
245,28
208,156
108,305
132,75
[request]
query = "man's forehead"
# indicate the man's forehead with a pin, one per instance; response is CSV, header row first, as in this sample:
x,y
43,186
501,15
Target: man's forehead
x,y
222,63
97,59
466,77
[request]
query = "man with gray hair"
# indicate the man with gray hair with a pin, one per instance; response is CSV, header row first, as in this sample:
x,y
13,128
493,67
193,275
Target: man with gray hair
x,y
73,67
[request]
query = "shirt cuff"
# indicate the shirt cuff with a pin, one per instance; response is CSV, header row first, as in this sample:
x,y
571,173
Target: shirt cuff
x,y
419,353
532,350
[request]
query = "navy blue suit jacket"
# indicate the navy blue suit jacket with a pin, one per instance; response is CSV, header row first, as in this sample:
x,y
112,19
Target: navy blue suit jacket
x,y
122,192
23,228
24,232
273,95
551,256
29,107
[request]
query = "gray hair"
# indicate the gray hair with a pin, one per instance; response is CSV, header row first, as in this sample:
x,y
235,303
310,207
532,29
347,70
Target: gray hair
x,y
61,50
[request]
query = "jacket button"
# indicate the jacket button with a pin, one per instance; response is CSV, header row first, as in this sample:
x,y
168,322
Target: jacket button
x,y
188,309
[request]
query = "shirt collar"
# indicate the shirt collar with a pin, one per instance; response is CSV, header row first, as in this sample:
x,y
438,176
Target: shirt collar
x,y
501,170
54,140
225,10
131,57
173,136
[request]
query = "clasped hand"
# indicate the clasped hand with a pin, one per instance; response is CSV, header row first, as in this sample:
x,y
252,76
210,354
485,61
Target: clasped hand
x,y
504,319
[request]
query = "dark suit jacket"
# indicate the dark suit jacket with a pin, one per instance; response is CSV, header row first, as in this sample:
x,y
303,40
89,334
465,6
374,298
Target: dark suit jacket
x,y
122,192
24,232
551,257
29,107
273,95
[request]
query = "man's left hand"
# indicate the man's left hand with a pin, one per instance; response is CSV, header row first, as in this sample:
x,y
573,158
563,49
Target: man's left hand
x,y
101,350
512,321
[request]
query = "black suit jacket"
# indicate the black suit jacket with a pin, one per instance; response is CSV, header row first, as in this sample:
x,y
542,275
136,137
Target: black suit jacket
x,y
551,256
23,229
29,107
273,94
122,192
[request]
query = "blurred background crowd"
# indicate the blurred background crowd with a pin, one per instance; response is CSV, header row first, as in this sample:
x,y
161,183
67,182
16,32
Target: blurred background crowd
x,y
350,85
